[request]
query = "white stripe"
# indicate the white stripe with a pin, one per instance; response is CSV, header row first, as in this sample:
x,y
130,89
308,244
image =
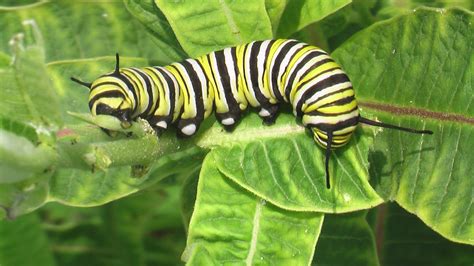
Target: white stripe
x,y
344,130
326,91
202,79
124,86
273,62
305,68
231,72
284,64
321,119
310,84
166,88
252,96
177,91
145,98
295,66
189,85
261,66
220,86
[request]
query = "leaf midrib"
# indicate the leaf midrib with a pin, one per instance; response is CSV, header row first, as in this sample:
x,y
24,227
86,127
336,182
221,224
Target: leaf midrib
x,y
214,137
417,112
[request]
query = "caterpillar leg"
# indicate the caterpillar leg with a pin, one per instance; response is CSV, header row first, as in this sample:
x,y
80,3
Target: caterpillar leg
x,y
269,114
159,124
188,127
228,120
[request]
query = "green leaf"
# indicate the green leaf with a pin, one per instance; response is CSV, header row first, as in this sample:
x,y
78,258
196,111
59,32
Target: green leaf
x,y
23,197
388,9
346,239
4,60
24,242
407,241
32,99
188,196
195,24
81,29
300,13
340,26
235,226
284,166
19,129
416,70
200,256
142,229
20,159
275,9
155,21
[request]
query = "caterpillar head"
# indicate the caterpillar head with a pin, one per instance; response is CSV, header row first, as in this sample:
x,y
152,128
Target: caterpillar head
x,y
332,132
340,137
110,95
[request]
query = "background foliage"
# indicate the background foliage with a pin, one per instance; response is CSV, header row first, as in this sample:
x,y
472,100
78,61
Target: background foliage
x,y
257,195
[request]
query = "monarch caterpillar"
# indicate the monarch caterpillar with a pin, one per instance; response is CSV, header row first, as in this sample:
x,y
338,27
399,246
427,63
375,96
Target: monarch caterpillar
x,y
260,74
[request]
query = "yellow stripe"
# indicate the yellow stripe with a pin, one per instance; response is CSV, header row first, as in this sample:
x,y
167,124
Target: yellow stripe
x,y
291,65
99,89
338,108
184,95
337,139
270,58
337,96
114,103
311,75
211,72
242,51
345,130
139,89
163,103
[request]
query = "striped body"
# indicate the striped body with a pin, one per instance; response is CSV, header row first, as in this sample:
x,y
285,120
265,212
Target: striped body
x,y
261,74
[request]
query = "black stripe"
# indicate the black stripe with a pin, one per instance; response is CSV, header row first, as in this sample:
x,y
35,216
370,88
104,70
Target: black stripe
x,y
331,80
172,91
197,88
342,101
131,84
265,70
106,83
330,94
261,99
106,94
276,89
338,126
127,83
206,80
225,79
233,52
181,89
160,85
274,71
343,134
300,66
148,89
317,113
218,97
